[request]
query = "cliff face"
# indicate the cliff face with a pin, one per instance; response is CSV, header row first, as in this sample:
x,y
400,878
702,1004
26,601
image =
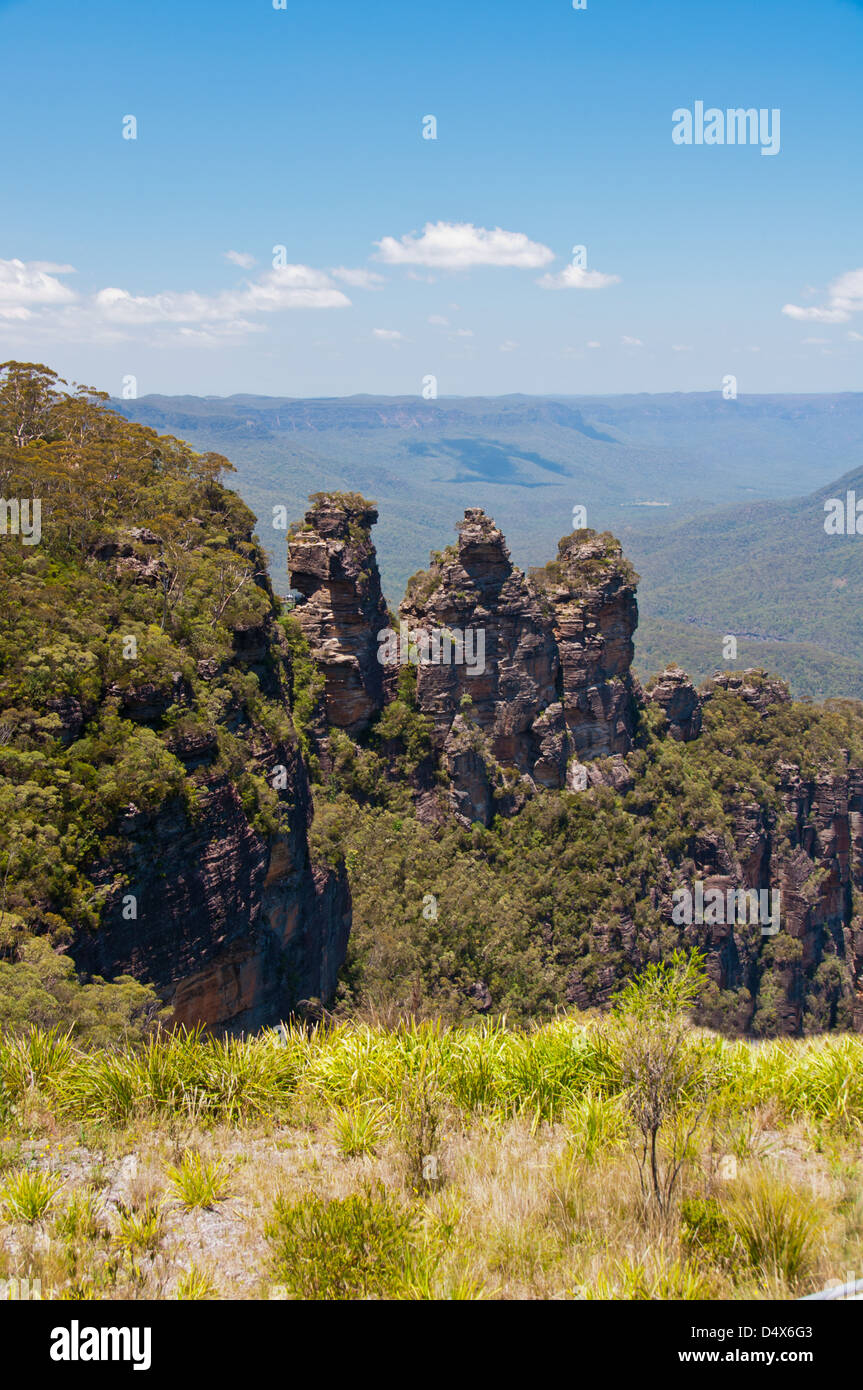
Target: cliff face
x,y
809,975
228,919
805,846
148,756
232,924
332,564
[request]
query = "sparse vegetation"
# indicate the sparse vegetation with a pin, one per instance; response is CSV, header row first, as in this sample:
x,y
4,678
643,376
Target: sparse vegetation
x,y
324,1133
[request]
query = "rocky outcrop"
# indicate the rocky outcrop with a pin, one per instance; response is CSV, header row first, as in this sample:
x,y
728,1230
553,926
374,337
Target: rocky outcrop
x,y
590,595
555,681
502,667
333,568
758,689
679,701
807,974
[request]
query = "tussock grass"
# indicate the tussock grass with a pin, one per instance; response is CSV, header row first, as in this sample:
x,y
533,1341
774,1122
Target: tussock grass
x,y
197,1182
27,1195
539,1074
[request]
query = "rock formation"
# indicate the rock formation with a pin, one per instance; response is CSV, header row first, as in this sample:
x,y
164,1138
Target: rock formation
x,y
553,704
679,701
758,689
590,591
473,591
333,566
556,680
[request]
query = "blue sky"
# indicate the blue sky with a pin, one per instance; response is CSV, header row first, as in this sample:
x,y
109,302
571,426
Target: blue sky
x,y
406,257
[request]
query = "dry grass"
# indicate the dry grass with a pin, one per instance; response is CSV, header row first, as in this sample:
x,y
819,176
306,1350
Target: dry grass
x,y
534,1191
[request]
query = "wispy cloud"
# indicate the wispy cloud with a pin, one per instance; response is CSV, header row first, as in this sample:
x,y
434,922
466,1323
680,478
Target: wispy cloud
x,y
461,245
575,277
358,279
241,258
388,335
844,298
285,287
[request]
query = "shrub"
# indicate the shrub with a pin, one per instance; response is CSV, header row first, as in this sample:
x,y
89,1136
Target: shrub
x,y
706,1230
139,1229
359,1246
358,1128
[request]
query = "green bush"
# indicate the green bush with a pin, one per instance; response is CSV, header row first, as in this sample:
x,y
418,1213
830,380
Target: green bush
x,y
360,1246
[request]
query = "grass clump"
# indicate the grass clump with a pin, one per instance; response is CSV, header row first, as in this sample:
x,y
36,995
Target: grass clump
x,y
359,1246
197,1182
27,1195
777,1227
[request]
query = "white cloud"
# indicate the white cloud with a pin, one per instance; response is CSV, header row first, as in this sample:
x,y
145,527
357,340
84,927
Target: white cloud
x,y
460,245
358,279
462,333
795,311
438,320
631,342
52,267
25,285
594,345
575,277
285,287
817,342
844,298
508,345
215,334
855,336
389,335
241,258
32,296
681,347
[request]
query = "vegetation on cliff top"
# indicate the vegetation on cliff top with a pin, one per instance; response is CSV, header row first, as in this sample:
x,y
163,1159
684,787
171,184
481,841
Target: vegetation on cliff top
x,y
118,648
